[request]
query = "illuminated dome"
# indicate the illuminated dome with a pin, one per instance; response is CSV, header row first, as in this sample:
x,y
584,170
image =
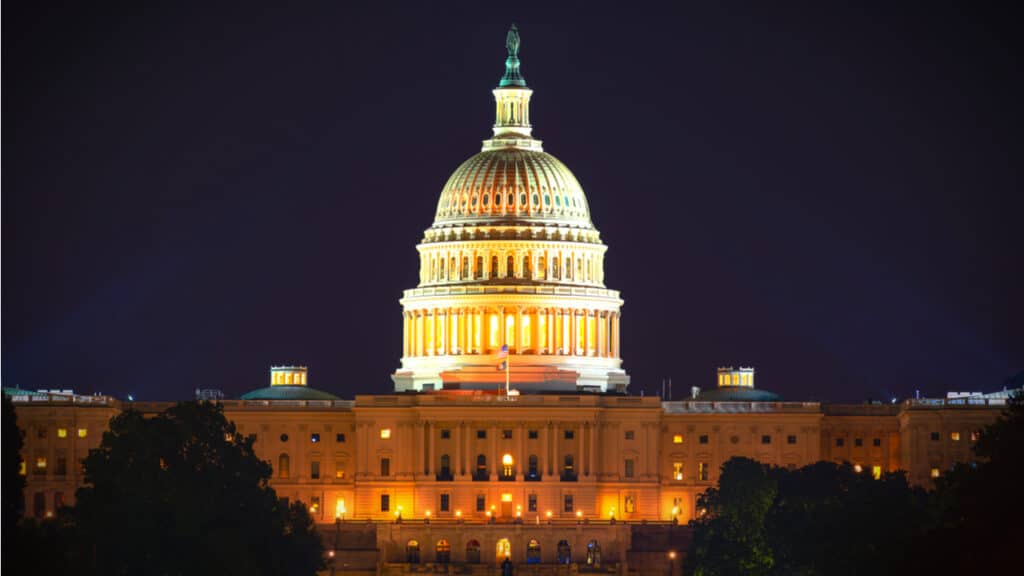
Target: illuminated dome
x,y
511,271
508,185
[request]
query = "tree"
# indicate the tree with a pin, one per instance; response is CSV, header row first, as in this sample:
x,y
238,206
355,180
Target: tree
x,y
13,481
183,493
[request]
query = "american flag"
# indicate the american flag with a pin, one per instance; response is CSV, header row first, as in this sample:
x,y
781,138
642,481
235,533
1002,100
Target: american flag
x,y
503,353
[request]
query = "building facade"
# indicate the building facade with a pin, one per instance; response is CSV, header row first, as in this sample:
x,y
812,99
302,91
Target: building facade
x,y
510,432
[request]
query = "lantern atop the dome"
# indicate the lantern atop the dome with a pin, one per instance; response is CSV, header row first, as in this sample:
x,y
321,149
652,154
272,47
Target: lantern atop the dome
x,y
512,76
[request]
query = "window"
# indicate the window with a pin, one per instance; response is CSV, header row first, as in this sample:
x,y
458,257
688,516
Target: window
x,y
39,504
531,503
446,502
339,470
385,502
876,472
83,432
564,552
935,436
954,436
629,434
446,434
569,435
444,552
703,438
339,437
858,442
533,552
630,467
481,434
935,473
473,552
568,464
876,442
62,465
677,470
507,470
791,439
766,439
62,432
41,433
314,470
385,433
702,471
510,267
283,466
677,439
481,467
446,465
481,502
314,438
532,465
840,442
40,464
412,552
974,436
58,500
21,468
314,505
385,466
284,437
532,435
567,503
506,434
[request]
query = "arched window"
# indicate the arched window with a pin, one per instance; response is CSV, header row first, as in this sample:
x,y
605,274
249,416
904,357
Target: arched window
x,y
568,268
503,550
533,552
446,463
564,552
452,270
485,199
497,199
511,198
494,267
541,269
444,551
473,552
593,554
510,267
479,267
507,466
465,267
535,200
522,199
556,270
442,274
412,552
532,470
481,466
283,466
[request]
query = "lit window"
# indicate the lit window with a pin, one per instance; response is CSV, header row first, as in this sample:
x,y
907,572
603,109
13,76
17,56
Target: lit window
x,y
339,470
974,436
339,508
41,465
22,468
935,473
677,470
506,497
314,505
283,466
385,433
702,471
62,432
314,438
83,432
954,436
677,439
876,472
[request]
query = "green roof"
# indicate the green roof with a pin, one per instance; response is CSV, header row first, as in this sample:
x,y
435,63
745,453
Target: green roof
x,y
736,394
288,393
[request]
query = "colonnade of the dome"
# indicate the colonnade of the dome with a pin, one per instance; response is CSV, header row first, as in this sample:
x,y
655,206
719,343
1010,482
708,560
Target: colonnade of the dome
x,y
472,261
483,330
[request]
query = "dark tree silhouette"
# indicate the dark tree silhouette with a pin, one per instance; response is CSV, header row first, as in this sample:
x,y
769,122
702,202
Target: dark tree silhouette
x,y
182,493
13,481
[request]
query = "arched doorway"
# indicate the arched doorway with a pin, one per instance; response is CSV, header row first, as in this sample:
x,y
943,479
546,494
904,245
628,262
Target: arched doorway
x,y
472,552
593,554
564,552
412,552
533,552
444,551
503,550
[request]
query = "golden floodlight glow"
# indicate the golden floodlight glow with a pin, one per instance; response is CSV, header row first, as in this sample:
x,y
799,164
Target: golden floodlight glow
x,y
506,497
876,472
548,513
385,433
339,508
427,513
677,439
579,513
506,460
458,513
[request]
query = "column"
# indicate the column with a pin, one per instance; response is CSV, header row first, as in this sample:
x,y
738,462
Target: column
x,y
588,337
458,450
554,450
544,465
592,433
573,334
618,349
421,456
535,336
468,462
493,460
580,463
405,334
469,330
444,333
520,452
519,330
431,455
551,331
462,331
559,314
501,327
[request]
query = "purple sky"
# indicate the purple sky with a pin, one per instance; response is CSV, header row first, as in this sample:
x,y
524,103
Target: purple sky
x,y
195,192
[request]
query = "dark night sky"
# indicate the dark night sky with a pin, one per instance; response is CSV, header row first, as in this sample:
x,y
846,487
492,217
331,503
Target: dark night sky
x,y
192,193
